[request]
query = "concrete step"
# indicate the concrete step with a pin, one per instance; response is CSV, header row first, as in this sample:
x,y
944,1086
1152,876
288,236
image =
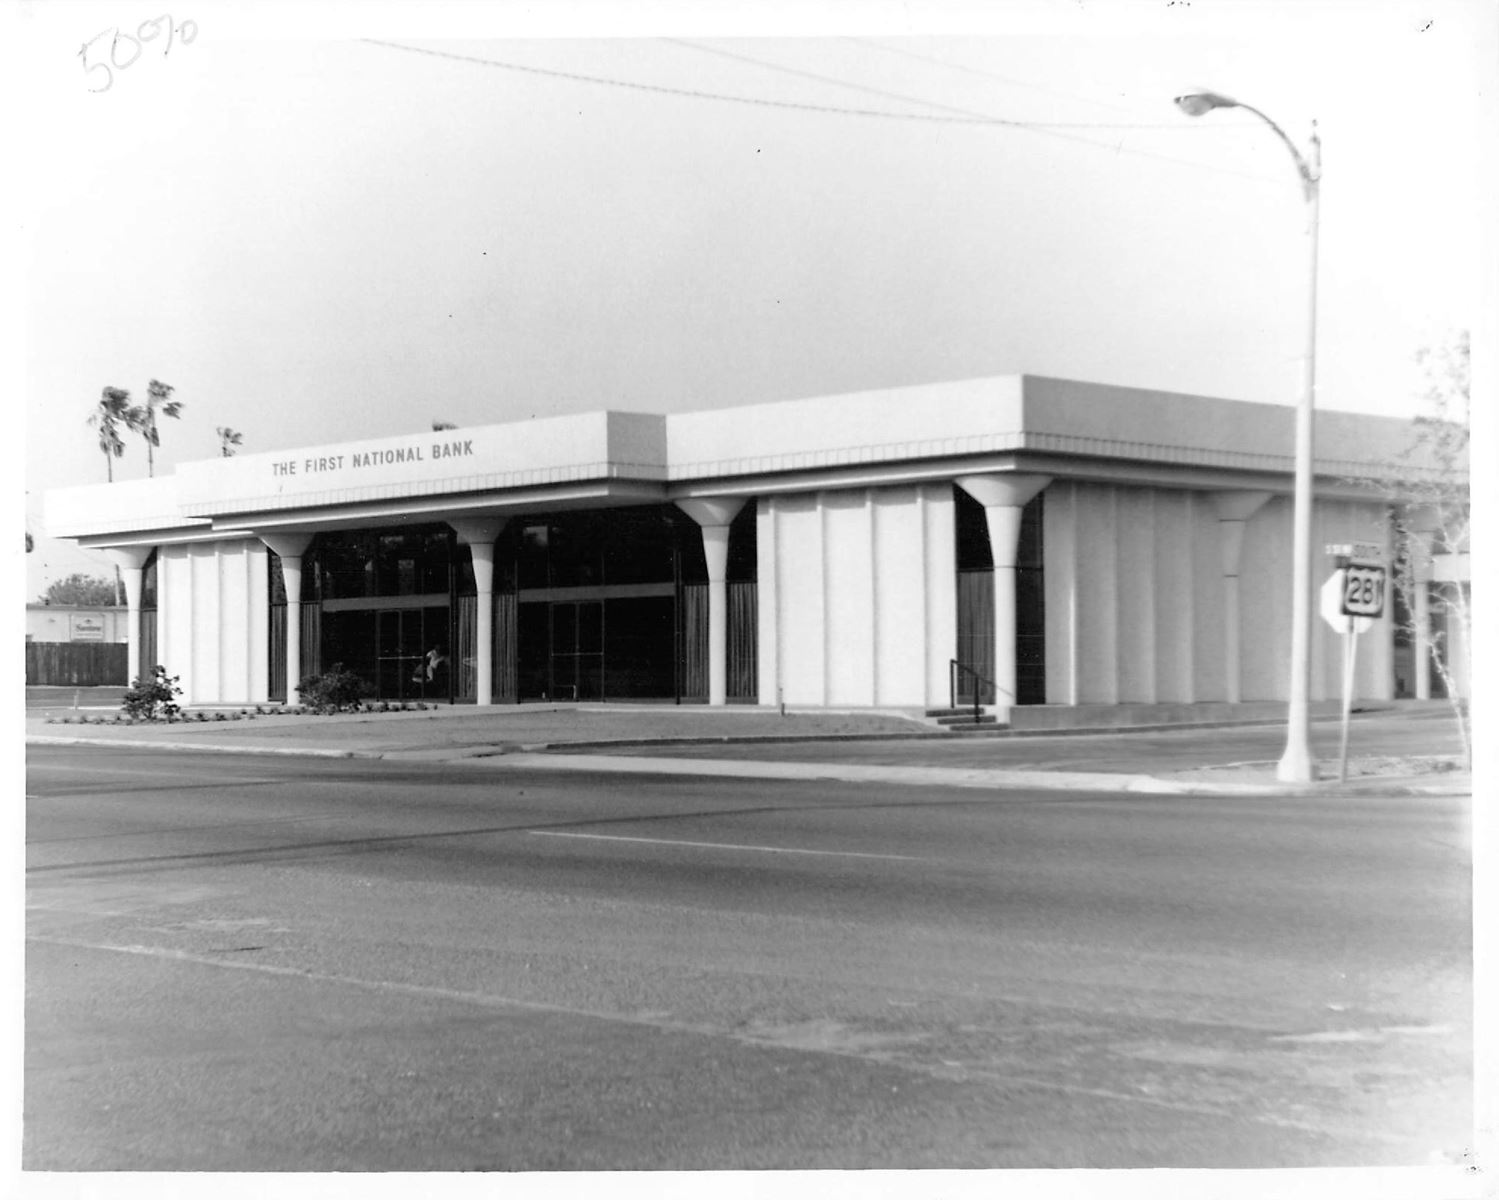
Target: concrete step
x,y
992,729
962,720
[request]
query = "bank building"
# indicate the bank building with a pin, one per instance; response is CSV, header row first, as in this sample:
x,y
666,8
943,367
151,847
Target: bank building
x,y
1022,542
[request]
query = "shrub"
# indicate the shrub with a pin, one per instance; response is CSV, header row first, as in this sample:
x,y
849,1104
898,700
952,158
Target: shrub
x,y
335,690
152,698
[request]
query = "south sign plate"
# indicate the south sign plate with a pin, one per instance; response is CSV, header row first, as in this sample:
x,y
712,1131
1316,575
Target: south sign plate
x,y
1363,590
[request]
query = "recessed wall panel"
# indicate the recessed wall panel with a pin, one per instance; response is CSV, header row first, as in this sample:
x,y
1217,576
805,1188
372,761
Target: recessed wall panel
x,y
939,551
799,550
1174,597
1135,596
900,608
1209,603
204,566
848,585
1265,602
1097,591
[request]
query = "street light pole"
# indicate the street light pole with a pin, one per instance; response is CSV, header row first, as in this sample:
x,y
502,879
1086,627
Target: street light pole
x,y
1296,763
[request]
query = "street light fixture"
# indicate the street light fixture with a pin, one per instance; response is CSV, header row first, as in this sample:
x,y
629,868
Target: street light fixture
x,y
1296,764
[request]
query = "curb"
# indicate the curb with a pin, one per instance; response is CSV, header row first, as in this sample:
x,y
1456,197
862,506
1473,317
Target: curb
x,y
837,772
121,743
553,756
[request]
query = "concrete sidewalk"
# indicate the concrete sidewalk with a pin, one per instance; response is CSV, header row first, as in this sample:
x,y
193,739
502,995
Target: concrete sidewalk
x,y
747,742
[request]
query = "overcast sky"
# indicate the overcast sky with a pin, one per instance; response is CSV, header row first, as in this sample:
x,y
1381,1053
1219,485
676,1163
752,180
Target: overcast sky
x,y
317,238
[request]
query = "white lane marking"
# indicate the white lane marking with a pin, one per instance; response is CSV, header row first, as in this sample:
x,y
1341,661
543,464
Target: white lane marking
x,y
614,837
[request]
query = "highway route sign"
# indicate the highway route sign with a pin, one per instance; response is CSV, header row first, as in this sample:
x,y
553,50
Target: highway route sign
x,y
1363,589
1334,594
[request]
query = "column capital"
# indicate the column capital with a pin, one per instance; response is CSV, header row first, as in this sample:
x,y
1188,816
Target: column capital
x,y
477,531
1238,505
287,545
1003,490
720,510
129,558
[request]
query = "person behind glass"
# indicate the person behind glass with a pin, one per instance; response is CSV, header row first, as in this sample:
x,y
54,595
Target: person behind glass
x,y
427,668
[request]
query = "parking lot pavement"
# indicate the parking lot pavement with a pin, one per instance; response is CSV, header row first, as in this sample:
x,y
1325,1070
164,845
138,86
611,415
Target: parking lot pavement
x,y
59,698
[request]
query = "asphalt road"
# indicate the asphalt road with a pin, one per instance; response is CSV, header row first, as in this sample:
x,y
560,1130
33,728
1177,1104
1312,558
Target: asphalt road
x,y
298,964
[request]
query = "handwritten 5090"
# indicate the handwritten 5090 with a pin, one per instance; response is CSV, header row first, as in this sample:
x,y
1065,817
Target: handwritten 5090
x,y
148,31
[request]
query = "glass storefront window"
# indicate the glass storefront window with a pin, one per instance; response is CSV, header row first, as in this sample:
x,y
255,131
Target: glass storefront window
x,y
531,556
601,549
148,583
392,563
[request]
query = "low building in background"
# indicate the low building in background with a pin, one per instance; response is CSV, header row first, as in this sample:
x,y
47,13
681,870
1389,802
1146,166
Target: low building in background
x,y
76,645
76,623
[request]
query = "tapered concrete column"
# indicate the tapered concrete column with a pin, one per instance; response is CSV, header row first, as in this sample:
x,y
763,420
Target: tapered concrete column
x,y
714,517
1004,498
479,536
131,560
290,547
1234,510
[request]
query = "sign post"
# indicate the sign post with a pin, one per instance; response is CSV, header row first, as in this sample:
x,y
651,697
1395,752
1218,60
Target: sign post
x,y
1352,598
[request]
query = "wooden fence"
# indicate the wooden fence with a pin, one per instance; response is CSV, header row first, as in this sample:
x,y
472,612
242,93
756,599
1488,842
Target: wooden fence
x,y
76,664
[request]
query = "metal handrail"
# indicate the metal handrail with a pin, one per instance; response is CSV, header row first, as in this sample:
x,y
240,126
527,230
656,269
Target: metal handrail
x,y
953,667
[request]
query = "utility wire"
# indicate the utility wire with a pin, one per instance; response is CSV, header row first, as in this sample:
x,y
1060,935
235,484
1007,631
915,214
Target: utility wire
x,y
663,89
967,112
1046,128
1036,87
885,114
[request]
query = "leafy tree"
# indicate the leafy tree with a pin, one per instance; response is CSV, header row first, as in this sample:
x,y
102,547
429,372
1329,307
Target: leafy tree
x,y
228,440
142,418
77,589
1430,505
438,426
112,413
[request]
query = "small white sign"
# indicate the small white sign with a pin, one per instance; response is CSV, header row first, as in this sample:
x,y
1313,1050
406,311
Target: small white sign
x,y
1365,551
84,628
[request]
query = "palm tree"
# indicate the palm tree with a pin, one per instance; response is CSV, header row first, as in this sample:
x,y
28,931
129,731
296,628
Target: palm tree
x,y
113,411
228,439
142,419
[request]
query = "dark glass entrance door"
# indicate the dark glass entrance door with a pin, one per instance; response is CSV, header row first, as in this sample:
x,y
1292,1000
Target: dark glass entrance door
x,y
561,650
411,653
578,650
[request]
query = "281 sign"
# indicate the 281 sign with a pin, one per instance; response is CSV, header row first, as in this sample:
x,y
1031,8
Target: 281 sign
x,y
1363,590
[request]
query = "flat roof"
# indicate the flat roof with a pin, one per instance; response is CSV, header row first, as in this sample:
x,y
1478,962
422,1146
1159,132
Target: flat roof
x,y
611,457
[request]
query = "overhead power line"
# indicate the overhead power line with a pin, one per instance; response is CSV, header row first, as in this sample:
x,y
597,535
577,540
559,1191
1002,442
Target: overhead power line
x,y
956,117
1046,128
967,70
966,112
664,89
